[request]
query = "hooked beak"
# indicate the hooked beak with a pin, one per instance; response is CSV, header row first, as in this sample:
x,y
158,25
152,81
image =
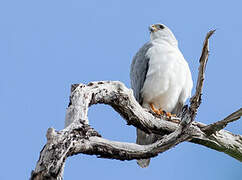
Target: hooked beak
x,y
153,28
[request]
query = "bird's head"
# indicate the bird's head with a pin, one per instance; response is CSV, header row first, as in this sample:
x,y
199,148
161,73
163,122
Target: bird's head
x,y
162,32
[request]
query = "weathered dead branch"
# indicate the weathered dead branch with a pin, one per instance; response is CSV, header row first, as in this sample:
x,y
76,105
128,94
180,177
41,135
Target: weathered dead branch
x,y
78,136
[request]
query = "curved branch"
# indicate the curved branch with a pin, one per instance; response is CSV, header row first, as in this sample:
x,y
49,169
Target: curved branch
x,y
122,100
79,137
222,141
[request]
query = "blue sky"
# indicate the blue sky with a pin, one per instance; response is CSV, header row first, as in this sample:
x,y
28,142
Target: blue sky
x,y
47,45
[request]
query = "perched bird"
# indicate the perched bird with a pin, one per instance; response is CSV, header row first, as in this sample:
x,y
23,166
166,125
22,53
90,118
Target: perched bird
x,y
160,78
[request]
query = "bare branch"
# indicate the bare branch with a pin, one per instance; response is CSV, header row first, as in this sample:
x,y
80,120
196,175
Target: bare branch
x,y
196,99
121,98
212,128
79,137
104,148
223,141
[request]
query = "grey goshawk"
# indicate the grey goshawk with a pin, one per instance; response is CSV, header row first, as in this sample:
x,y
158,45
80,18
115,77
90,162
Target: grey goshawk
x,y
160,78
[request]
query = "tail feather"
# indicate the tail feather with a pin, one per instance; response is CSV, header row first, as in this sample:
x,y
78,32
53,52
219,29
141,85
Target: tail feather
x,y
143,139
143,163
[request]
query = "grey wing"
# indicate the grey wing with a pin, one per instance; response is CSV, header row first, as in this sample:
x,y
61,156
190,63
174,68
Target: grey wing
x,y
139,68
138,71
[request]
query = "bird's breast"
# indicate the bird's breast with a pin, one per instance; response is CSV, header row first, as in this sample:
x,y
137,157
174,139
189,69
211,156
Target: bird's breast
x,y
165,77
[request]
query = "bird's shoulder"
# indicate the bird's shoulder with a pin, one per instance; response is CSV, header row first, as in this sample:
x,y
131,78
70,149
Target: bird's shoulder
x,y
140,60
138,71
141,53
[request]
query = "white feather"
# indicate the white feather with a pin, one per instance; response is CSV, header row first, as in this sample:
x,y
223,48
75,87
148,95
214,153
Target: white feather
x,y
160,75
168,80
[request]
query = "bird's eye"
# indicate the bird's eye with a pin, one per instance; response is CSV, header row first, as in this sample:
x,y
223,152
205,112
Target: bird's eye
x,y
161,26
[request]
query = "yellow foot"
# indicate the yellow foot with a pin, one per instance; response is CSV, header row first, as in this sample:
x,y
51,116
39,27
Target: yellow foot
x,y
156,111
161,112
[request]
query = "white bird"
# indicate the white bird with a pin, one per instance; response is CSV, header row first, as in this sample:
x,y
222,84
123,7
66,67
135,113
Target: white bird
x,y
160,78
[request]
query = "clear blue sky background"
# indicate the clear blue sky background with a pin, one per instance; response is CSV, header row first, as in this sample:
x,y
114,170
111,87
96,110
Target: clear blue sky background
x,y
47,45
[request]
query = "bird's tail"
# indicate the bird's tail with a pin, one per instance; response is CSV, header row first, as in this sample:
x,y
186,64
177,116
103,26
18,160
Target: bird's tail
x,y
143,163
142,139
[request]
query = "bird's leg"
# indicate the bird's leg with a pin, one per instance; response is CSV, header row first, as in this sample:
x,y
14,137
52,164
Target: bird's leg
x,y
161,112
158,112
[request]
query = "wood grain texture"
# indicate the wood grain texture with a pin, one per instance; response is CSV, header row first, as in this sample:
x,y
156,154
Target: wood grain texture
x,y
78,136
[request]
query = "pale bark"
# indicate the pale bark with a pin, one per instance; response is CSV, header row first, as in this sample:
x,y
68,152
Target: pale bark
x,y
78,137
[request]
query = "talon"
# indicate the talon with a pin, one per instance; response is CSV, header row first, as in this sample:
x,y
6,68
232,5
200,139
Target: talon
x,y
154,109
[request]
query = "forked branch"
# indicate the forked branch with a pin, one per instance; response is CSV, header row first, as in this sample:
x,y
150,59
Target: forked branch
x,y
78,137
